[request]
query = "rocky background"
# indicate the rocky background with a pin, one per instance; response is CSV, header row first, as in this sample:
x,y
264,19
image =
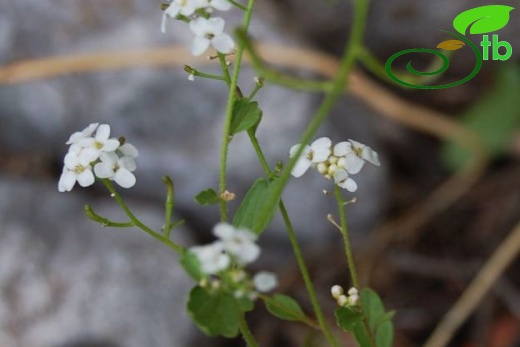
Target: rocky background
x,y
67,282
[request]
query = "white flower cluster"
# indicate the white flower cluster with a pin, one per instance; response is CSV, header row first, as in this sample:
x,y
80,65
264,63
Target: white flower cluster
x,y
338,162
92,151
234,246
209,31
343,300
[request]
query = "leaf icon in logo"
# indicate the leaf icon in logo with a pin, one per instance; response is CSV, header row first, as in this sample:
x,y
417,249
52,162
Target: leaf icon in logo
x,y
451,45
483,19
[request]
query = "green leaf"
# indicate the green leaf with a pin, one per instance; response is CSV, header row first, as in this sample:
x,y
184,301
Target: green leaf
x,y
483,19
348,319
191,265
246,114
495,118
216,314
284,307
385,334
253,205
245,304
378,320
207,197
361,336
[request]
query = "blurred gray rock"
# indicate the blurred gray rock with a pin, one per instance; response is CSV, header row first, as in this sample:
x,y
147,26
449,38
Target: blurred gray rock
x,y
65,281
176,124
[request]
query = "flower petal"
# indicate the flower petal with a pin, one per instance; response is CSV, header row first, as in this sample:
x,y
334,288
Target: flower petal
x,y
104,170
348,184
129,150
67,181
110,145
223,43
221,5
342,148
370,155
216,25
322,142
340,176
103,132
295,148
320,155
265,281
86,178
200,45
199,26
302,165
127,163
124,178
224,231
353,163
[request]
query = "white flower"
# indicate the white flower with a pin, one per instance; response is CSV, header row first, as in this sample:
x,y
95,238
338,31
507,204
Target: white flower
x,y
342,179
355,154
212,257
240,243
336,291
318,152
77,168
265,281
116,168
101,142
74,138
221,5
184,7
210,32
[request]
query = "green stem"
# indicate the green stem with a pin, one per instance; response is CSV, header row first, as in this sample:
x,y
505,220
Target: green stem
x,y
237,5
340,82
226,138
276,77
306,277
168,206
136,221
225,69
198,73
246,333
105,222
346,237
296,249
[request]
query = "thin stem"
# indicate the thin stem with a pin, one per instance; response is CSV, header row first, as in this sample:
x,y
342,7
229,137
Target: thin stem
x,y
237,5
350,258
168,206
198,73
246,333
340,82
105,222
277,77
136,221
226,138
306,277
346,237
296,249
258,85
225,69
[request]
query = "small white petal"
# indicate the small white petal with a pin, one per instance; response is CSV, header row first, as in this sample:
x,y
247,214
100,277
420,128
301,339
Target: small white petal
x,y
129,150
320,155
71,160
124,178
86,178
353,163
163,23
370,155
109,158
349,184
110,145
223,43
67,181
322,142
127,163
248,253
302,165
200,45
104,170
200,26
216,25
342,148
87,156
295,148
103,132
265,281
173,10
224,231
353,291
340,175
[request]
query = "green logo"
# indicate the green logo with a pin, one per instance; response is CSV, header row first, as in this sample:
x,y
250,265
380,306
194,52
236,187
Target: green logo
x,y
479,20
